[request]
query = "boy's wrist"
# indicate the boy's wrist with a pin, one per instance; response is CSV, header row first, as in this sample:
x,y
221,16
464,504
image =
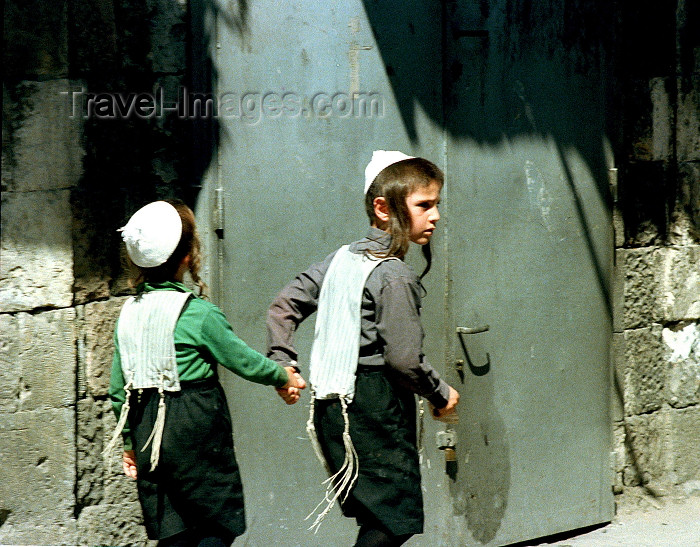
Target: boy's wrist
x,y
441,396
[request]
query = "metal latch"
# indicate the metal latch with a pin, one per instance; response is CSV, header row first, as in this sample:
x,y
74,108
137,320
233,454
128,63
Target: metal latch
x,y
447,441
459,365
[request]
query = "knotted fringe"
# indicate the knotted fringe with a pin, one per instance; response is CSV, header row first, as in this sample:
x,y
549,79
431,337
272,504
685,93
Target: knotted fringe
x,y
157,433
120,426
343,481
421,430
313,436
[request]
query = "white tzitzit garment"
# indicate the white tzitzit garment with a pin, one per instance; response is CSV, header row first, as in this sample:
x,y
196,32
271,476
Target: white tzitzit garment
x,y
147,350
333,362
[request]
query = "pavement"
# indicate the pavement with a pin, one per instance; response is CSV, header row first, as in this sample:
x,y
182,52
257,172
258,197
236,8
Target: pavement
x,y
641,521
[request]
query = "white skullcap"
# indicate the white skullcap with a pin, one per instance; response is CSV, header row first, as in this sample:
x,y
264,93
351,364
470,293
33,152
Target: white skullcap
x,y
381,159
152,234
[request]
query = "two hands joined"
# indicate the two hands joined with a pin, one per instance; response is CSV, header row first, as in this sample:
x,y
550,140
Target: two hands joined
x,y
290,394
295,383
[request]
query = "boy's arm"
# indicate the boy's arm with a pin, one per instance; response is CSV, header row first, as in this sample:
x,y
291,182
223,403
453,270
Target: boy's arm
x,y
399,325
293,304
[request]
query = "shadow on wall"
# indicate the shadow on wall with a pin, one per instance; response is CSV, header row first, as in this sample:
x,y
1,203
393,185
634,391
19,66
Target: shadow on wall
x,y
154,49
509,68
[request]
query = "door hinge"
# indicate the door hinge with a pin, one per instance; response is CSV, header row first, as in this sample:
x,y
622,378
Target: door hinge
x,y
218,217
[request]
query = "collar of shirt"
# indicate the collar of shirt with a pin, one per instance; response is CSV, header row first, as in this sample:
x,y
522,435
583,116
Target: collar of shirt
x,y
162,286
374,240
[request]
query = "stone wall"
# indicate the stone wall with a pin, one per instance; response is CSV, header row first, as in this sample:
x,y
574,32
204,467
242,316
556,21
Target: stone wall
x,y
67,182
656,404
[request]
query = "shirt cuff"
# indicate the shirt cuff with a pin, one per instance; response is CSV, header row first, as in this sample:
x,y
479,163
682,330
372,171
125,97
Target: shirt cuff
x,y
441,396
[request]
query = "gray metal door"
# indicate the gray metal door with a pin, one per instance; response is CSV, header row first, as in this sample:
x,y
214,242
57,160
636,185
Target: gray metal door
x,y
306,91
529,255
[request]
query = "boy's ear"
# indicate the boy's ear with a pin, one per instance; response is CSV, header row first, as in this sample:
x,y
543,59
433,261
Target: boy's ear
x,y
381,209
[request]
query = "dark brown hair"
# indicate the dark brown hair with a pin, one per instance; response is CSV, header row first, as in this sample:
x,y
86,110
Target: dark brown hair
x,y
189,245
395,183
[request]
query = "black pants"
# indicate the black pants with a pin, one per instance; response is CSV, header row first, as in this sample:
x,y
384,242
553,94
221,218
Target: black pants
x,y
383,431
197,481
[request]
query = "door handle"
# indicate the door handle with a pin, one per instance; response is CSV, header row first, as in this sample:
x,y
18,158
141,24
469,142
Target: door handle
x,y
472,330
475,370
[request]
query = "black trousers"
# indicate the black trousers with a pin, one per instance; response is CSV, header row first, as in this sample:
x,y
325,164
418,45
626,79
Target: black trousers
x,y
196,483
383,431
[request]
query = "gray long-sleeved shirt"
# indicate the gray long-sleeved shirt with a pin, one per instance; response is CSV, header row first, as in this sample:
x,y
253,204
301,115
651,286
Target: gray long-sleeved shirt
x,y
391,331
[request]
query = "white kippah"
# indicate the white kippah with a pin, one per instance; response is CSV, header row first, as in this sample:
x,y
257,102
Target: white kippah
x,y
381,159
152,234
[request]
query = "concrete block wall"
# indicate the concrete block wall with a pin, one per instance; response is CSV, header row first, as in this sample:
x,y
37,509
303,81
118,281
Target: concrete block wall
x,y
656,349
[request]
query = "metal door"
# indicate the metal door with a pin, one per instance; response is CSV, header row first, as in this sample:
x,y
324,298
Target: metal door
x,y
305,92
529,255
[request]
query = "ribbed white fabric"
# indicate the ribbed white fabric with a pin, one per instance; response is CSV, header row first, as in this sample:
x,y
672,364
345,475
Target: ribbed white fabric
x,y
333,361
336,347
146,339
147,350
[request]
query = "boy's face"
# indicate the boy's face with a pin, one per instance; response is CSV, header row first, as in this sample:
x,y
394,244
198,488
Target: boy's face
x,y
423,210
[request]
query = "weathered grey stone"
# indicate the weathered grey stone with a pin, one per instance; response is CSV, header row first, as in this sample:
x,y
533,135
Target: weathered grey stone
x,y
100,318
35,43
645,371
661,130
646,189
679,282
112,524
618,221
10,365
47,527
620,455
168,35
36,246
118,487
688,123
617,388
684,431
92,276
37,482
685,218
47,149
90,435
682,350
617,295
647,444
93,36
47,360
691,488
639,286
639,121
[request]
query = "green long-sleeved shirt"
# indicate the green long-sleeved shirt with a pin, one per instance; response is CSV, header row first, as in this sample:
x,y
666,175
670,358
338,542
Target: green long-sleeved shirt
x,y
203,338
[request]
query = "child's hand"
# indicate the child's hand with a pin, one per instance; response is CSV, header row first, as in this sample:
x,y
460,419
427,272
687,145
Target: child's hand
x,y
295,383
448,413
129,463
